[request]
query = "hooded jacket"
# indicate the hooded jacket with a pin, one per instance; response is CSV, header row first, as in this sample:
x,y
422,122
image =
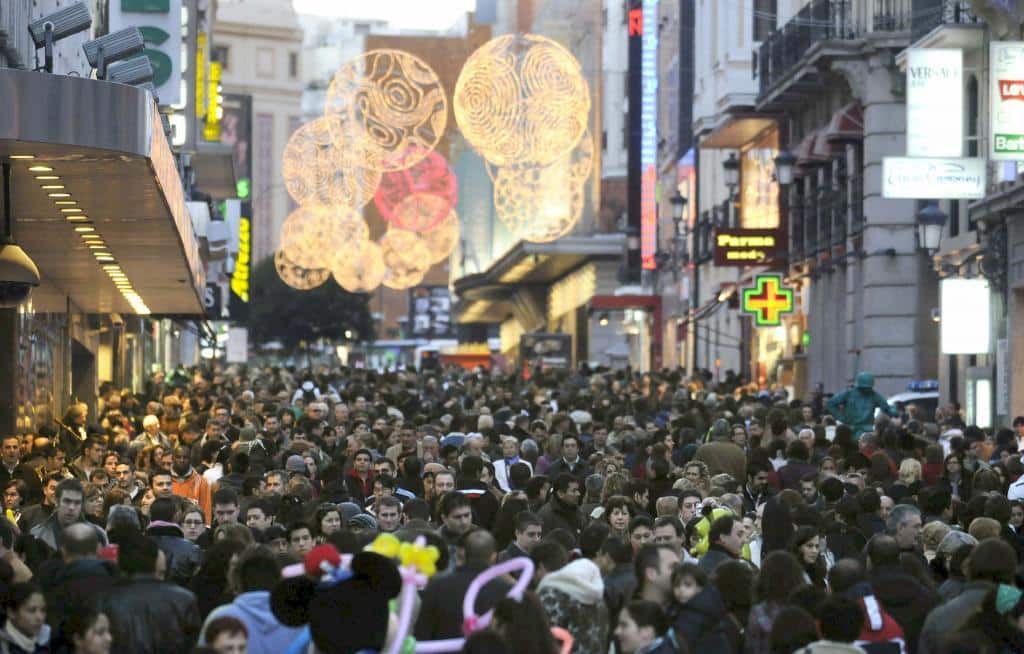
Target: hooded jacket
x,y
183,556
266,634
699,623
856,406
573,598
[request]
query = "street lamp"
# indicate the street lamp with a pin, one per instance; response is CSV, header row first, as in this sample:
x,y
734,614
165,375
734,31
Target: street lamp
x,y
930,221
678,206
732,173
784,163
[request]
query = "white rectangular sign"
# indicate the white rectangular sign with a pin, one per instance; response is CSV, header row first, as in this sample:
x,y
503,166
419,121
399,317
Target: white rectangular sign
x,y
160,24
932,179
1006,100
238,345
935,103
965,326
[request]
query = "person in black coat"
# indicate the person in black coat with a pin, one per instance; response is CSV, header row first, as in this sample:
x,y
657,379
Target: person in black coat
x,y
616,562
183,556
900,594
485,505
562,509
440,614
148,615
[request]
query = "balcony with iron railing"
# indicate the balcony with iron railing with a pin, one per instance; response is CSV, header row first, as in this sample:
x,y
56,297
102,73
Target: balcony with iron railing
x,y
786,63
930,14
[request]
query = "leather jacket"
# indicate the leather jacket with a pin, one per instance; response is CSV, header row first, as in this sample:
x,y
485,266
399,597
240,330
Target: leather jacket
x,y
151,616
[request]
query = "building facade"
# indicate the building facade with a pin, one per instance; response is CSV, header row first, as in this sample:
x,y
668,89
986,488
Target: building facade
x,y
259,44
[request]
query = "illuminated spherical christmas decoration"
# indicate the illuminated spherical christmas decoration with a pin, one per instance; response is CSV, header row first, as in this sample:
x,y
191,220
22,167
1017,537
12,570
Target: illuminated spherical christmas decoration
x,y
317,172
406,258
391,104
310,233
299,278
441,240
543,203
359,271
522,99
419,197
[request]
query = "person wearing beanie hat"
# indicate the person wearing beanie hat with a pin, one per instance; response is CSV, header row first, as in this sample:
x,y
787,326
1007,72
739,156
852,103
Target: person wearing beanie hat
x,y
295,463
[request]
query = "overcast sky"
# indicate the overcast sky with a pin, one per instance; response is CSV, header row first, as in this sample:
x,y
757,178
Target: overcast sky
x,y
402,14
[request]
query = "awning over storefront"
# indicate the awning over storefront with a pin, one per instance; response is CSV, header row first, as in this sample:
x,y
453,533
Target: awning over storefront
x,y
738,130
807,155
215,170
506,287
847,125
100,160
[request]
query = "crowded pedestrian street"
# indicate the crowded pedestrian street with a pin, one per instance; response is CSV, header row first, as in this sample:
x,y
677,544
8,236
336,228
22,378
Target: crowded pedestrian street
x,y
512,327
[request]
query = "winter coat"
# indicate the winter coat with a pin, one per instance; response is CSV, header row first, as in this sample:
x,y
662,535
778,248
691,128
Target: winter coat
x,y
723,457
579,469
557,514
183,556
43,541
830,647
266,634
70,586
150,616
700,623
714,557
619,586
905,599
573,598
856,406
949,617
440,614
484,504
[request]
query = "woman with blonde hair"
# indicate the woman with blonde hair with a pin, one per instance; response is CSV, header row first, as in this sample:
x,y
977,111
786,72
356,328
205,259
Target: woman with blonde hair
x,y
908,482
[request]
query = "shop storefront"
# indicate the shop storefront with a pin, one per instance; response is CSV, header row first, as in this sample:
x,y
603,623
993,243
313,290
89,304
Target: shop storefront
x,y
97,203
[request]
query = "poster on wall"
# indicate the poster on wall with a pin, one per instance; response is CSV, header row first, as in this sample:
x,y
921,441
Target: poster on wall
x,y
935,102
541,351
236,132
1006,100
431,308
759,192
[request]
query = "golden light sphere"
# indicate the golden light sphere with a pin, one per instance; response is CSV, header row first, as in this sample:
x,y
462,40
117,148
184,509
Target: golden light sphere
x,y
543,203
441,240
391,104
420,212
298,277
361,271
406,258
522,99
309,234
317,172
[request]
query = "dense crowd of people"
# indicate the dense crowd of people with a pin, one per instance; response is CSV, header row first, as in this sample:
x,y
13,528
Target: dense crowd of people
x,y
661,514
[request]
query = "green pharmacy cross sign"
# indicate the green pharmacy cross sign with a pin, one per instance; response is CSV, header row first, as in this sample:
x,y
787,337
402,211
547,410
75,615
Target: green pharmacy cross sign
x,y
767,300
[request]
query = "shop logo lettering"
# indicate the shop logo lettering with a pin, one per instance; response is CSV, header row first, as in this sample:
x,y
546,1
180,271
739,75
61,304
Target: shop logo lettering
x,y
1011,89
1009,142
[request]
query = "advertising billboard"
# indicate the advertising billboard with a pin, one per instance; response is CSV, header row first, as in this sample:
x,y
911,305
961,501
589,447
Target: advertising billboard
x,y
934,179
238,299
966,324
1006,100
642,166
935,103
431,312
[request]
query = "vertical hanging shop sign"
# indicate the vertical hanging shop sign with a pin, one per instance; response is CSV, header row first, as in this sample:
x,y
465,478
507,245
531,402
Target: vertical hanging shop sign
x,y
160,24
241,278
1006,100
649,136
935,102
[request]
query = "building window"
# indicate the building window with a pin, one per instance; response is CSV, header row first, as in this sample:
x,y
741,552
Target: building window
x,y
222,54
764,18
604,140
293,64
264,62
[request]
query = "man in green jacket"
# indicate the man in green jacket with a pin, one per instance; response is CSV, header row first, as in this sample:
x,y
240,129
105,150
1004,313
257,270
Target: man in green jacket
x,y
856,406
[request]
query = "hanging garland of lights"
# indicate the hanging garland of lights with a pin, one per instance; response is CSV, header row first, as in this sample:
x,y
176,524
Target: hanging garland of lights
x,y
522,99
419,197
395,105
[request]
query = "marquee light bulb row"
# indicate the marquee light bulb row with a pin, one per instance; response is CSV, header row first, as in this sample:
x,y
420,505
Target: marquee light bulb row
x,y
82,225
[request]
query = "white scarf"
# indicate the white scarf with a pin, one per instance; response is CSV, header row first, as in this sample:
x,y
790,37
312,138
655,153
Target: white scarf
x,y
26,643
